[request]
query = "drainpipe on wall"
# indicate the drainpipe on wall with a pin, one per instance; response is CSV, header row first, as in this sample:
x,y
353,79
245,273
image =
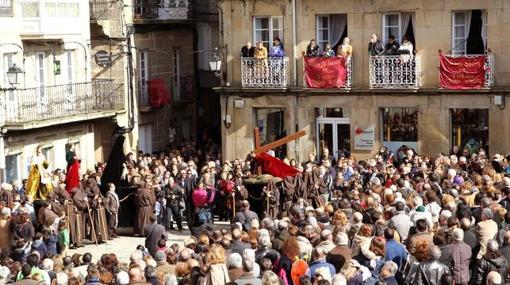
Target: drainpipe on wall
x,y
2,157
294,42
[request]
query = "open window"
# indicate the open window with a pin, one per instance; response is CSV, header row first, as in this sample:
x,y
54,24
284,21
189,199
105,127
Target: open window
x,y
331,29
399,25
469,32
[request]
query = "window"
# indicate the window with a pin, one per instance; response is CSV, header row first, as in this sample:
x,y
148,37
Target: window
x,y
8,62
331,29
322,30
49,154
176,62
68,73
144,76
265,29
469,32
399,25
5,8
12,167
400,124
391,27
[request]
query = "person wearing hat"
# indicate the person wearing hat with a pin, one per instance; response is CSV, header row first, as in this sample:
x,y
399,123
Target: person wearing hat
x,y
162,266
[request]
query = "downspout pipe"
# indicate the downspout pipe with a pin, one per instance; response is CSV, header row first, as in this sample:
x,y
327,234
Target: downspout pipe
x,y
294,43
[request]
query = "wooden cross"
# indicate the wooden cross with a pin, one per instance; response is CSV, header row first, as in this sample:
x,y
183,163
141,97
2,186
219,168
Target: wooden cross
x,y
260,149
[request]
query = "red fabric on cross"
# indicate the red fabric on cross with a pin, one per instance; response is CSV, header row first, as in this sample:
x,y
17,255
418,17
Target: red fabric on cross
x,y
274,166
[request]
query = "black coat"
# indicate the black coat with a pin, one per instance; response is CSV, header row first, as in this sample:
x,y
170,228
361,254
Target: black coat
x,y
491,261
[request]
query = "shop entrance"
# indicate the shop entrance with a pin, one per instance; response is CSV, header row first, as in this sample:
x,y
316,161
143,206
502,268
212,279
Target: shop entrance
x,y
334,134
470,130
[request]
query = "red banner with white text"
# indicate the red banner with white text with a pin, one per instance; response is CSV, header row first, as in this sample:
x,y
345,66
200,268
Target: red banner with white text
x,y
325,72
462,72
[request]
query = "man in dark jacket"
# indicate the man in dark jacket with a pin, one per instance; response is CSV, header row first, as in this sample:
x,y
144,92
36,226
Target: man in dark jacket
x,y
490,261
237,245
375,47
173,194
153,232
340,254
392,46
248,50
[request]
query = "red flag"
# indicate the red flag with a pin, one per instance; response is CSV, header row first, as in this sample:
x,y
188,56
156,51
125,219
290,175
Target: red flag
x,y
274,166
462,72
159,95
325,72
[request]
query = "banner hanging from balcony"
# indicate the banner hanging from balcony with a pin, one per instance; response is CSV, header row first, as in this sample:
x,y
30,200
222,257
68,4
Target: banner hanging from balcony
x,y
322,72
462,72
159,95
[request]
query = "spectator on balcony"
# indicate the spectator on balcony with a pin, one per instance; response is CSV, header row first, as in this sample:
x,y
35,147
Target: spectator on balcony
x,y
248,50
392,46
260,52
345,49
406,50
375,47
277,50
328,51
312,50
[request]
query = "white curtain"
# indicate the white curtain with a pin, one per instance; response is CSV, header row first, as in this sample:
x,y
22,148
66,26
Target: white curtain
x,y
338,24
484,29
406,19
468,23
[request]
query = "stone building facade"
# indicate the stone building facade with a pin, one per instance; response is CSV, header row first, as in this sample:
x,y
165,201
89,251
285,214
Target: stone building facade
x,y
378,107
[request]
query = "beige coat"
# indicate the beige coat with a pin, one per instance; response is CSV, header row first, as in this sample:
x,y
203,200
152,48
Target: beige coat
x,y
485,231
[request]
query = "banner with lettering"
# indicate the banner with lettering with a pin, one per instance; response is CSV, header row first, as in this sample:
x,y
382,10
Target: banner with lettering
x,y
462,72
325,72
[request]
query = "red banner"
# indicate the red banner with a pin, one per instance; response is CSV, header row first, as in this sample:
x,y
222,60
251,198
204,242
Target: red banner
x,y
159,95
462,72
325,72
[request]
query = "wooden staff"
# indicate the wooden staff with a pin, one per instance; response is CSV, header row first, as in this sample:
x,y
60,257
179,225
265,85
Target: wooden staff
x,y
93,228
233,204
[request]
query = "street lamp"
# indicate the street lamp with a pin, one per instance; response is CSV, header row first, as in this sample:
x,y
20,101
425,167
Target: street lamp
x,y
215,63
12,74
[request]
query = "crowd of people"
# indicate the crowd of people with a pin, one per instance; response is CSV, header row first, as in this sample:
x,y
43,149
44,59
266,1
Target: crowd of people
x,y
396,218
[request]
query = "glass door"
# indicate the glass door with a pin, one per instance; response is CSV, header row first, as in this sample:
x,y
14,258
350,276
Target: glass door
x,y
333,134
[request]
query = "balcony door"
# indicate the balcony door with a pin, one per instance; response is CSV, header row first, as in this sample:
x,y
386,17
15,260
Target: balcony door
x,y
333,134
469,32
145,138
144,77
11,111
68,78
469,130
40,74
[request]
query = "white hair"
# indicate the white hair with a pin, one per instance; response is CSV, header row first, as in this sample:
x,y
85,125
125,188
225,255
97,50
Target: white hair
x,y
418,201
170,279
458,234
494,278
492,246
249,254
136,256
62,278
47,264
342,238
235,261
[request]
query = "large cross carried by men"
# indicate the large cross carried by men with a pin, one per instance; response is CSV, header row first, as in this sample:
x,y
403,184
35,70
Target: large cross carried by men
x,y
271,165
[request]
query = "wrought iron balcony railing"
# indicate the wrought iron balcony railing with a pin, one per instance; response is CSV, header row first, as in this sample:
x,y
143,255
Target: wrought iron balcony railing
x,y
395,71
264,73
6,8
29,105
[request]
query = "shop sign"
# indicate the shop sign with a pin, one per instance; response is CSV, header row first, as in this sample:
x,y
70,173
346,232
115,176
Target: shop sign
x,y
364,138
103,58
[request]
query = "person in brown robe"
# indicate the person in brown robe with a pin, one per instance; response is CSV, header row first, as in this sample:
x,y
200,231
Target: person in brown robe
x,y
79,208
271,199
145,200
96,215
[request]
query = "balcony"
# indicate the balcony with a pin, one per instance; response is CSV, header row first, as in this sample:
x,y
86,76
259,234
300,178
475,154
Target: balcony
x,y
395,72
161,10
269,73
6,8
31,107
49,17
181,91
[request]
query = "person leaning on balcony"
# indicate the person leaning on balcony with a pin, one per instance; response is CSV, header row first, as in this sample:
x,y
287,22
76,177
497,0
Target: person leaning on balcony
x,y
277,50
375,47
260,52
392,46
345,49
406,49
248,50
328,51
312,50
